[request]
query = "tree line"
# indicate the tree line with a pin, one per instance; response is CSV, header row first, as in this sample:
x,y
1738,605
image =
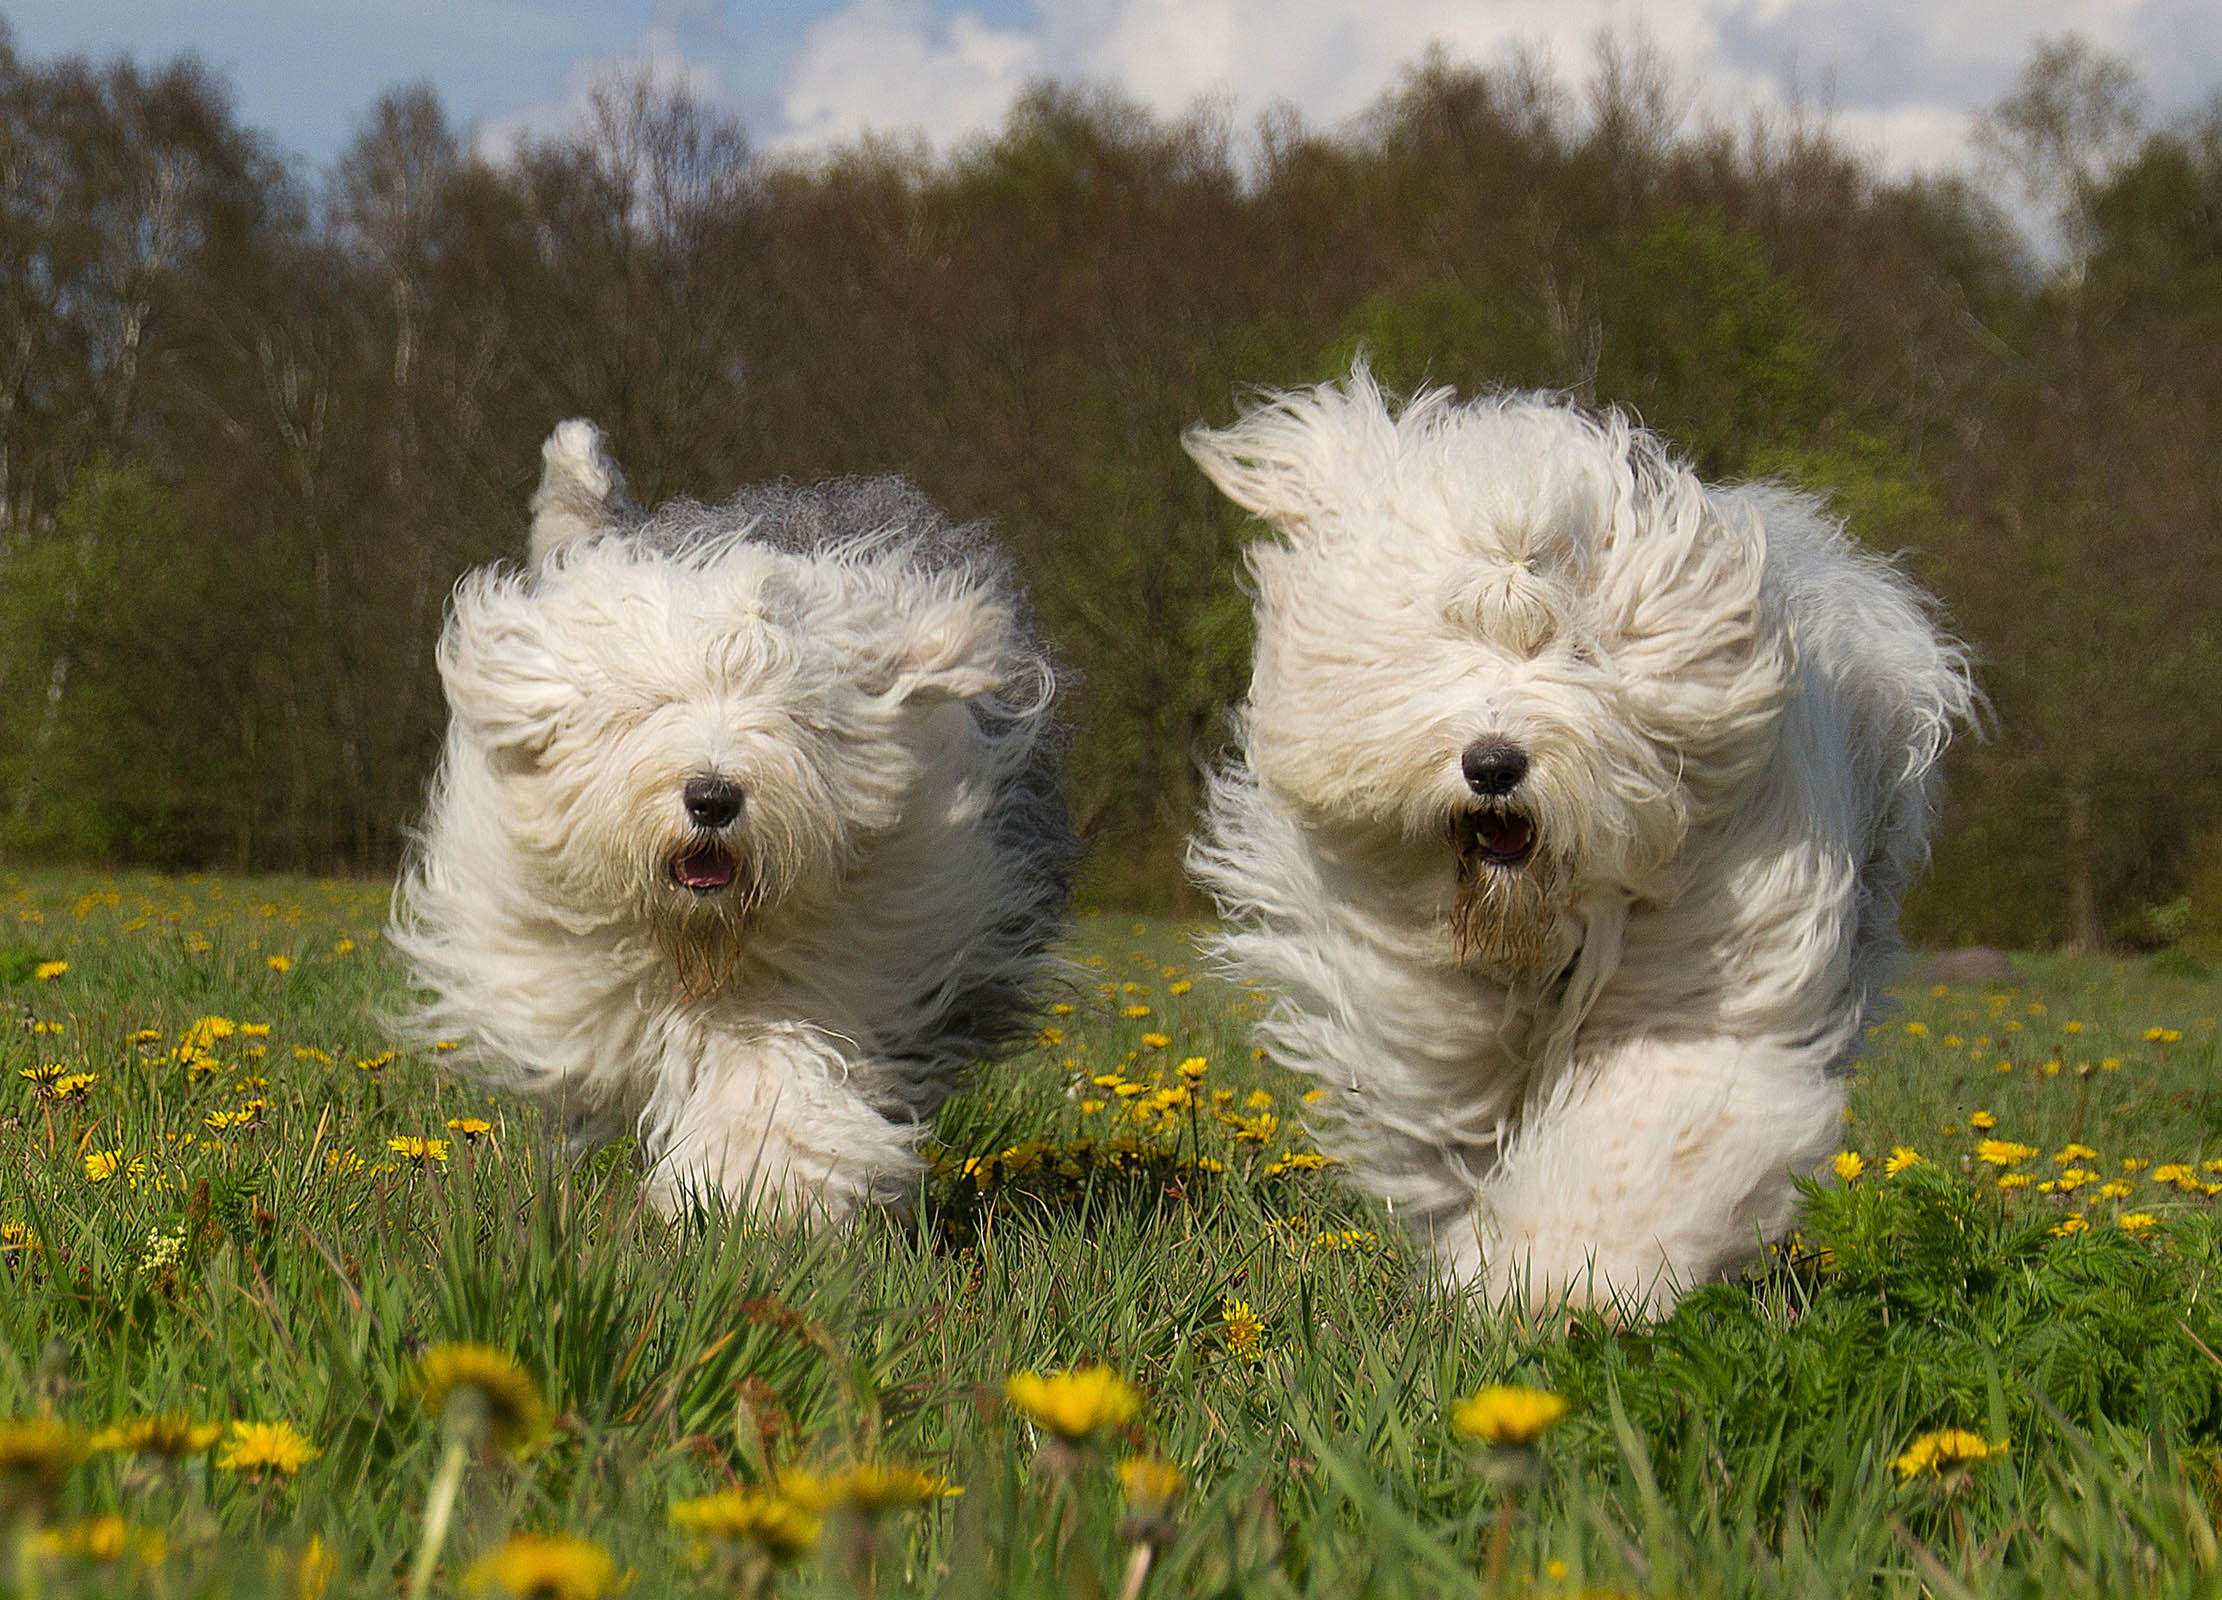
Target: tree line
x,y
254,421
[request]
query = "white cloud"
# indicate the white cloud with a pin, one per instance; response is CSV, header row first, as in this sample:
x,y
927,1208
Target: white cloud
x,y
1902,76
677,51
887,65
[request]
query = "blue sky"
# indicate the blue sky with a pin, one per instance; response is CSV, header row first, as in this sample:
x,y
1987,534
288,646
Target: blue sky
x,y
1901,76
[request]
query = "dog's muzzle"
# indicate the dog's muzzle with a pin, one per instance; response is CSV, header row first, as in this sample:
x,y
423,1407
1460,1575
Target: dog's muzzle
x,y
1494,831
706,863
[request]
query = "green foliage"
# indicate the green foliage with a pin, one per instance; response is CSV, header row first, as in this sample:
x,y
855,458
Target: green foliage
x,y
295,1268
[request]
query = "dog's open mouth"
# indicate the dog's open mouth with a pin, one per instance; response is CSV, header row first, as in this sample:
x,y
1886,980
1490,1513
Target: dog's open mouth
x,y
1496,838
705,870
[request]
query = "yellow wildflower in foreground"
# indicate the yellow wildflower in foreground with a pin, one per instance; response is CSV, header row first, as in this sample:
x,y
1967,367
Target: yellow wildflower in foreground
x,y
543,1566
2003,1152
784,1527
259,1447
101,1165
2136,1222
1900,1159
38,1451
1507,1416
471,1128
875,1488
515,1418
1945,1453
423,1152
173,1433
48,971
1848,1165
1151,1481
107,1538
1077,1403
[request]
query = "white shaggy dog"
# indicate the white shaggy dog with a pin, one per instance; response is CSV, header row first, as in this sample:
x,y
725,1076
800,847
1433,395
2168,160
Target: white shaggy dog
x,y
747,837
1574,803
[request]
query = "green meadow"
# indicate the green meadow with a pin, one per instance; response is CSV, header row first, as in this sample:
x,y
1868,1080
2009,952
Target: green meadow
x,y
242,1237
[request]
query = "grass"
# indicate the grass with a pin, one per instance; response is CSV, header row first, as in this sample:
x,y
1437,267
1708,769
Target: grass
x,y
289,1265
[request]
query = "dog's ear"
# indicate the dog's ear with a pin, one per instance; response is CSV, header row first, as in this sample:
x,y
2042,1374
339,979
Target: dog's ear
x,y
1295,458
581,491
504,683
952,649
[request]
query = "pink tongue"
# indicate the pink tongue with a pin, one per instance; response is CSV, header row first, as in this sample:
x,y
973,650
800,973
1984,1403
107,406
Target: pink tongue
x,y
1506,836
705,869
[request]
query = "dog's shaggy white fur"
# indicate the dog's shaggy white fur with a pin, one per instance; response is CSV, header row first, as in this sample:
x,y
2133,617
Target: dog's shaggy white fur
x,y
747,837
1573,806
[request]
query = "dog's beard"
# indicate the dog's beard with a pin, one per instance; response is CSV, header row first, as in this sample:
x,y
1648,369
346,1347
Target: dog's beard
x,y
1509,899
708,915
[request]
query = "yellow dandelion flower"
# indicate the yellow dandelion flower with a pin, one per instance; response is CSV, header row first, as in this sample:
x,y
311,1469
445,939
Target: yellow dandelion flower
x,y
314,1569
1135,1013
1075,1403
2136,1222
472,1129
1156,1041
543,1566
2010,1181
514,1416
2135,1164
1848,1165
1151,1482
48,971
783,1527
1920,1030
2071,1027
104,1538
2178,1173
1983,1120
2003,1152
2069,1154
37,1452
424,1152
873,1489
259,1447
173,1433
1508,1416
1244,1330
343,947
279,963
2116,1189
1182,987
101,1165
1051,1037
205,1031
1193,1068
1900,1158
2068,1227
1946,1453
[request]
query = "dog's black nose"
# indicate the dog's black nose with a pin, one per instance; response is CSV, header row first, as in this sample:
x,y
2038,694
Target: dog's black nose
x,y
712,802
1493,768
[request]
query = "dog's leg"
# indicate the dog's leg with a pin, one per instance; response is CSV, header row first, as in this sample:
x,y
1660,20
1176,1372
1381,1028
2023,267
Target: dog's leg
x,y
1656,1165
772,1122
